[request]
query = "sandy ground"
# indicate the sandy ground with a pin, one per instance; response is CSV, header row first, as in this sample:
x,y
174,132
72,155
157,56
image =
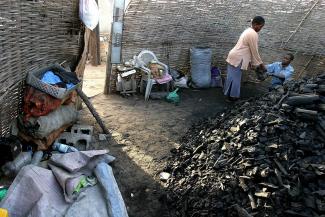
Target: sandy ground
x,y
94,79
142,134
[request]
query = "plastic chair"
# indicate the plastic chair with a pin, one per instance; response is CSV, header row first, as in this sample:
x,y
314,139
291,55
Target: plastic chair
x,y
142,62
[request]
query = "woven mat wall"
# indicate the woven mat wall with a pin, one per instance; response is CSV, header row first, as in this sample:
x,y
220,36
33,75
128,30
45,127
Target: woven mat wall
x,y
176,25
33,35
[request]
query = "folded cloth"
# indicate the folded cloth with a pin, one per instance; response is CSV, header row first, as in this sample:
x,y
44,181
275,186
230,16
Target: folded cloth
x,y
166,78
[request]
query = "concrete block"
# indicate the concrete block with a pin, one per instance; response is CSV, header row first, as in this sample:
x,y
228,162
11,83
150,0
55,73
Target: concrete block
x,y
82,129
77,140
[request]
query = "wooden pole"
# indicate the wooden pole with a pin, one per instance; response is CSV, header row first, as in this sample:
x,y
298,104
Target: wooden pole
x,y
107,88
97,31
305,67
300,24
82,63
93,111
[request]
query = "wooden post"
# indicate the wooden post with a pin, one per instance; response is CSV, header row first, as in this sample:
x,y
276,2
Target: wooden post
x,y
107,88
82,64
93,111
97,31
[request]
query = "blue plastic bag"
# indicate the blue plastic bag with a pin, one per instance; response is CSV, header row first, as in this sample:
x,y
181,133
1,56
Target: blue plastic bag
x,y
50,78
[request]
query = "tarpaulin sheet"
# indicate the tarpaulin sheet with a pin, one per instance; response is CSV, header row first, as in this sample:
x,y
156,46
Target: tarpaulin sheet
x,y
36,191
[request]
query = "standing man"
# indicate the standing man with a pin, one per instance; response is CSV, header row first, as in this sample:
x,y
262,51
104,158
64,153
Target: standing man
x,y
244,53
281,71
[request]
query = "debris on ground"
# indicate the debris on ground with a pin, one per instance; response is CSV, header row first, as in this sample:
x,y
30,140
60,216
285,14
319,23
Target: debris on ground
x,y
164,176
263,157
49,158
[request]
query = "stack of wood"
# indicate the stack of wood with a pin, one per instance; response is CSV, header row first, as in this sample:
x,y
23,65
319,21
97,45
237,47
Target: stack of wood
x,y
306,100
263,157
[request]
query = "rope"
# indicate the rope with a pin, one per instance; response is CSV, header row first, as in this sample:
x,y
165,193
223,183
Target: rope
x,y
300,24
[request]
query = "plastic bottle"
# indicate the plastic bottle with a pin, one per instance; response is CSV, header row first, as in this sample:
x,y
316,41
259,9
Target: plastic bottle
x,y
63,148
37,157
13,167
3,193
4,212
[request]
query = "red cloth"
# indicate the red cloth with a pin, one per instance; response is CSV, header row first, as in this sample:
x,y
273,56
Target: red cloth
x,y
38,103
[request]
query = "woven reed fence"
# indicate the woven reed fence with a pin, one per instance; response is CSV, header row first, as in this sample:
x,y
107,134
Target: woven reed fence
x,y
33,34
173,26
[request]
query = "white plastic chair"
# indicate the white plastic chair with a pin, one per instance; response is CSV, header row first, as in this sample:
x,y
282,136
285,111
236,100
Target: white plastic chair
x,y
142,62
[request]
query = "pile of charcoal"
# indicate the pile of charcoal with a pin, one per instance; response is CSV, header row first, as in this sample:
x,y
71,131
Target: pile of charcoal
x,y
263,157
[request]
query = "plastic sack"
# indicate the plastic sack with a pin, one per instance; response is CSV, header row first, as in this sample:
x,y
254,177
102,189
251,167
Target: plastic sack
x,y
216,80
112,194
42,126
89,13
201,67
182,82
173,97
38,103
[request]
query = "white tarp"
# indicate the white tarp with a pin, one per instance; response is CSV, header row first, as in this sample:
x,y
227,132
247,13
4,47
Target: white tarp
x,y
37,192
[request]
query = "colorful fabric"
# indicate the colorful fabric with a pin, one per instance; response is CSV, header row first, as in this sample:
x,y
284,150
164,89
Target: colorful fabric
x,y
165,79
38,103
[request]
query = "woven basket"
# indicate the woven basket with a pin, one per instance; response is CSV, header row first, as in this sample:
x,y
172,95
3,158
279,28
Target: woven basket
x,y
34,79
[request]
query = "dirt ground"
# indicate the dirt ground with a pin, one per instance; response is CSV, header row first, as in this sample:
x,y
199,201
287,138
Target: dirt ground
x,y
142,134
94,79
